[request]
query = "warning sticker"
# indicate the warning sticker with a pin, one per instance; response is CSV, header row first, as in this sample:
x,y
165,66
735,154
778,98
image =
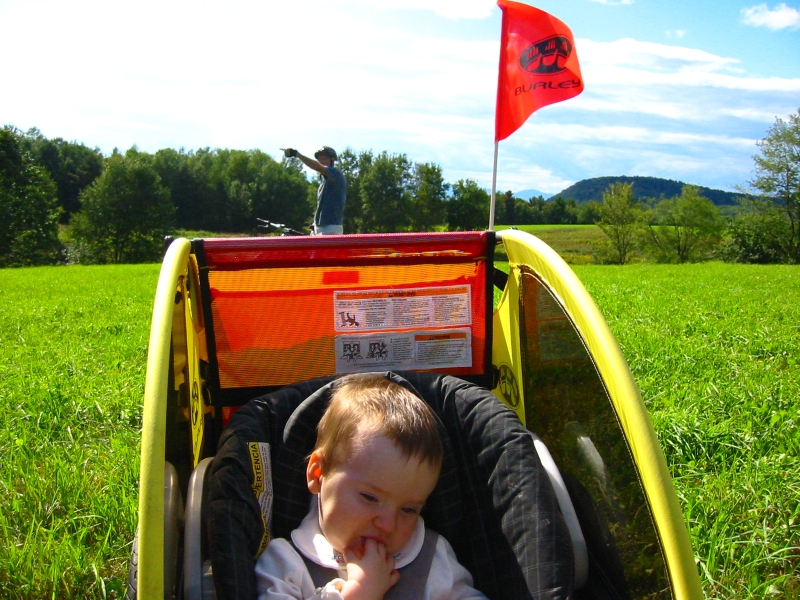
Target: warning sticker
x,y
405,350
262,484
367,310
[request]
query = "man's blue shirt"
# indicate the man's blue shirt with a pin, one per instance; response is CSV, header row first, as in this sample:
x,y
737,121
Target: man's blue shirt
x,y
331,197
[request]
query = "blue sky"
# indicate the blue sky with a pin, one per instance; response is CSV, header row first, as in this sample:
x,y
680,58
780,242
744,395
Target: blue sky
x,y
680,89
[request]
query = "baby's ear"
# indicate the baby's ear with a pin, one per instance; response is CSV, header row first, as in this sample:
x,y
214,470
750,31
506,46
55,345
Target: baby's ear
x,y
314,472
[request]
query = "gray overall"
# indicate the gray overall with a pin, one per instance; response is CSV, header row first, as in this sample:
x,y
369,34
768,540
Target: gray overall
x,y
413,576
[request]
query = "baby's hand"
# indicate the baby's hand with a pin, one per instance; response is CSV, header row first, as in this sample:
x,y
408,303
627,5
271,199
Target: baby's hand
x,y
370,572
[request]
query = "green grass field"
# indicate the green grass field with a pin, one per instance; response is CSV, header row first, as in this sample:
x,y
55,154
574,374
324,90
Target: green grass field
x,y
574,243
715,349
74,345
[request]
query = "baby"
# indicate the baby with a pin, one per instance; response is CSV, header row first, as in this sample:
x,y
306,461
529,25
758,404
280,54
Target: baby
x,y
376,461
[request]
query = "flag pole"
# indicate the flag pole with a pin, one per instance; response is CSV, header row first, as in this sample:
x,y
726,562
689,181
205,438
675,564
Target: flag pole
x,y
494,188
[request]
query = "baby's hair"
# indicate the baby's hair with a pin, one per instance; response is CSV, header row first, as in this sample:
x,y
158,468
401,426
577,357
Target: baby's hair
x,y
371,403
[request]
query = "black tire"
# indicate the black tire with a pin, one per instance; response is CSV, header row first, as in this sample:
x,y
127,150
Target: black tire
x,y
173,526
133,571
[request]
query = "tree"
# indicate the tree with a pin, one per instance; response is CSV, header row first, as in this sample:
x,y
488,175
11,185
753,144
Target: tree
x,y
537,206
558,211
71,166
203,188
468,208
620,219
589,213
282,194
510,208
385,194
523,212
759,234
777,175
230,175
174,168
187,175
685,229
429,192
29,208
126,212
354,166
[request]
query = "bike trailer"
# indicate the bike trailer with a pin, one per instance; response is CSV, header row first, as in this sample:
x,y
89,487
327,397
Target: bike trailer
x,y
246,334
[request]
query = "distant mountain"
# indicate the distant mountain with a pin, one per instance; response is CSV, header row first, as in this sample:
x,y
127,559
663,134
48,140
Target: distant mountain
x,y
528,194
643,187
523,194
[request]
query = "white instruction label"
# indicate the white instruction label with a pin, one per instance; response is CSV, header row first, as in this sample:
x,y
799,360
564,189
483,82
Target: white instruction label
x,y
368,310
404,350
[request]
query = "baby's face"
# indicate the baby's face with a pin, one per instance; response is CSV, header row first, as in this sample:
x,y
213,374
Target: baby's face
x,y
378,494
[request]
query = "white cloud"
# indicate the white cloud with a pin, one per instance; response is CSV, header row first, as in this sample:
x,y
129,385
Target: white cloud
x,y
613,76
781,17
593,150
517,173
255,74
678,33
619,134
451,9
650,56
629,76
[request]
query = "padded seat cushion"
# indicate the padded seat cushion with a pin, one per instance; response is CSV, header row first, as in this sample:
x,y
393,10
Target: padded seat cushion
x,y
493,501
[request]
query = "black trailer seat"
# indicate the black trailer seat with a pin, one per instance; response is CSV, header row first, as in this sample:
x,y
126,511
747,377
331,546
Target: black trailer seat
x,y
494,502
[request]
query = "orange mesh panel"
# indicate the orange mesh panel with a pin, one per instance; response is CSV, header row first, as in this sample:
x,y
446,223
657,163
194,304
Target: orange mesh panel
x,y
275,326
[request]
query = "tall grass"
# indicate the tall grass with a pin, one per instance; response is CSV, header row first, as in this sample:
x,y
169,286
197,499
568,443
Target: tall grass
x,y
73,346
575,243
715,350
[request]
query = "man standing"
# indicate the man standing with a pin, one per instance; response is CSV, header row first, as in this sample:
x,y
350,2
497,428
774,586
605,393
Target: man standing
x,y
332,191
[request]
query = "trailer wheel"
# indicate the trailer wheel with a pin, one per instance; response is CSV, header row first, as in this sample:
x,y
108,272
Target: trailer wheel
x,y
173,526
133,571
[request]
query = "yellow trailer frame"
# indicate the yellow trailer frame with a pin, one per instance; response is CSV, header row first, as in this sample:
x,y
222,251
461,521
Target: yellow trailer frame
x,y
178,344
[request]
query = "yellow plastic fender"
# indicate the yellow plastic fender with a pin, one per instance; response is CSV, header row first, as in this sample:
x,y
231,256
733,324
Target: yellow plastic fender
x,y
523,248
154,419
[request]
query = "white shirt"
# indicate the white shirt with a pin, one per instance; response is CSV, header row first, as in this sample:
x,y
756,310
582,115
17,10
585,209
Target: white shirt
x,y
281,572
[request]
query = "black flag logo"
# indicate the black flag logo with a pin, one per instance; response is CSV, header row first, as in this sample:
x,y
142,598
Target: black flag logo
x,y
546,57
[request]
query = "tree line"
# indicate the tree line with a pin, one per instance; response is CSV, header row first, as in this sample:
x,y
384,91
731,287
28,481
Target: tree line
x,y
686,228
119,207
689,227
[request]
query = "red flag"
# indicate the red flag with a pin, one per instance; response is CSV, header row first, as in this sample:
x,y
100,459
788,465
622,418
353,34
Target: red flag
x,y
538,65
